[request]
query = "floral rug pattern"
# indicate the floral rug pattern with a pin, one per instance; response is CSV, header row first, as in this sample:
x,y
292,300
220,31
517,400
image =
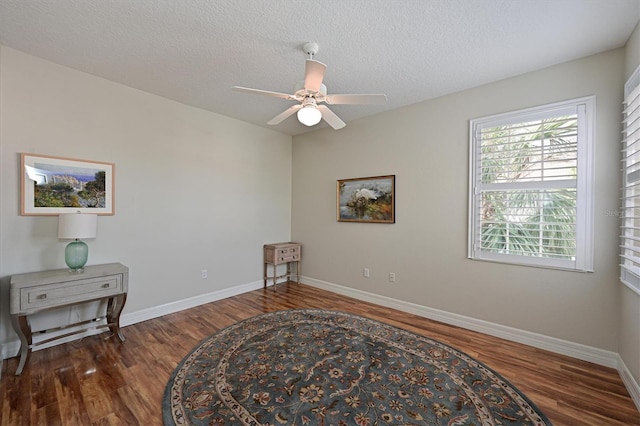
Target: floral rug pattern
x,y
318,367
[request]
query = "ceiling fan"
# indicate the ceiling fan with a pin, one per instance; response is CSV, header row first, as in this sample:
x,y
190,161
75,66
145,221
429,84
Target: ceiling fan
x,y
311,92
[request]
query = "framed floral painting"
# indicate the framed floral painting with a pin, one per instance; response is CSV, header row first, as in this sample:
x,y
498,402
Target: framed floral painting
x,y
369,199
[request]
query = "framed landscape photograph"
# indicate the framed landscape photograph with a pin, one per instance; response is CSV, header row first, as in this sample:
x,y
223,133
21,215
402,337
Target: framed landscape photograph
x,y
370,199
54,185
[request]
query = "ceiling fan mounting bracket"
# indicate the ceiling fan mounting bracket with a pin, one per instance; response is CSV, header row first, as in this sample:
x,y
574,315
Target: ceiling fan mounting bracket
x,y
310,49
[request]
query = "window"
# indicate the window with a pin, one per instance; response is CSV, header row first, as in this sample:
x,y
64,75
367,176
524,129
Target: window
x,y
630,233
531,196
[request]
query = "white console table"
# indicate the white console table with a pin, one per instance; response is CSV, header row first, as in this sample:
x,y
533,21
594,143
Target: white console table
x,y
39,291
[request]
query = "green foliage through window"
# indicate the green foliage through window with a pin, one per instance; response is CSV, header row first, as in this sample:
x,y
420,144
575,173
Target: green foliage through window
x,y
533,222
531,186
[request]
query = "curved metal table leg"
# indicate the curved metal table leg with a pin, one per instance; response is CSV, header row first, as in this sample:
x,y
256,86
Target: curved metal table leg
x,y
23,329
114,309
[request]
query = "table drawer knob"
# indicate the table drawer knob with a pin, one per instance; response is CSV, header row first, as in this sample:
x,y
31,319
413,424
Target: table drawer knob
x,y
41,296
105,285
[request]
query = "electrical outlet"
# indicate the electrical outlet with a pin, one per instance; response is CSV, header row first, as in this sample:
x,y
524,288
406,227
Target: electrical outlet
x,y
205,274
365,272
392,277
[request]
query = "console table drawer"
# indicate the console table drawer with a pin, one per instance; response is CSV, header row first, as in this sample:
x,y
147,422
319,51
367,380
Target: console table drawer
x,y
49,295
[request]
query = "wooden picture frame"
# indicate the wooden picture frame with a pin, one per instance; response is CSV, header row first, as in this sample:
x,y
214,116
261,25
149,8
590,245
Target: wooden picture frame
x,y
368,199
53,185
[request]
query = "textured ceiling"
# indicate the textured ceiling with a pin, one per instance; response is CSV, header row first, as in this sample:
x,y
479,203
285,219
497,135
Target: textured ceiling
x,y
194,51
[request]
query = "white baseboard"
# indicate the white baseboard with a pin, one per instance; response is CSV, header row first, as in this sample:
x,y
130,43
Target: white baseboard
x,y
575,350
552,344
192,302
629,382
10,349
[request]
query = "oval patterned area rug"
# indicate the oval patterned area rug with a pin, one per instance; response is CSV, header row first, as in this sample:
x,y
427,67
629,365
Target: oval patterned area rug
x,y
318,367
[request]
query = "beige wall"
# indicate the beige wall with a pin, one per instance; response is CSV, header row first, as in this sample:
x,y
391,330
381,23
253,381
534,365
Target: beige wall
x,y
632,52
426,146
194,190
629,313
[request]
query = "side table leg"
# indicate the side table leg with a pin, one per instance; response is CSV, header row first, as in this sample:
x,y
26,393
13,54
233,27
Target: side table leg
x,y
114,309
23,329
275,276
264,273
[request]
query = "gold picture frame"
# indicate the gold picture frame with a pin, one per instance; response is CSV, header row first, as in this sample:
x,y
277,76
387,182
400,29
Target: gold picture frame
x,y
53,185
367,199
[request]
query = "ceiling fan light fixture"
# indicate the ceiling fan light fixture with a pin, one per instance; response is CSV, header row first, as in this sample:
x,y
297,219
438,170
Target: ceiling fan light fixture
x,y
309,115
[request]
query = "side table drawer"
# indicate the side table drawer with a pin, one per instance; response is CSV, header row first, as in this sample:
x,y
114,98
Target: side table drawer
x,y
288,255
43,296
276,254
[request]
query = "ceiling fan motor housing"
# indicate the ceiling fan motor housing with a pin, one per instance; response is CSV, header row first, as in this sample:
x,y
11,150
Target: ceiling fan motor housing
x,y
300,91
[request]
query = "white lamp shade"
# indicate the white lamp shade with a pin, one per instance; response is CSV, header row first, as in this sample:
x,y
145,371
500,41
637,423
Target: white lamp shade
x,y
77,225
309,115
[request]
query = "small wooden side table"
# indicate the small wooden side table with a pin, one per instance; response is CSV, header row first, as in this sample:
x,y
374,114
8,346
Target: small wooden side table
x,y
39,291
278,254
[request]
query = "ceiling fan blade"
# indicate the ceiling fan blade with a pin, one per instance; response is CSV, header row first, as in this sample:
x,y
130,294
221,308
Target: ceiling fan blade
x,y
313,75
284,114
331,118
263,92
355,99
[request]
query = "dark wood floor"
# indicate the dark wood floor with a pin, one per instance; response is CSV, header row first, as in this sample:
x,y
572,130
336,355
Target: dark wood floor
x,y
97,381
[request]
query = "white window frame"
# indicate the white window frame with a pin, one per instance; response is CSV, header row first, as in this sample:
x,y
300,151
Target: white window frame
x,y
629,273
585,109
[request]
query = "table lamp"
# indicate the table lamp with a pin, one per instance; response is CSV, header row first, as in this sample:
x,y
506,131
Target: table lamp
x,y
75,226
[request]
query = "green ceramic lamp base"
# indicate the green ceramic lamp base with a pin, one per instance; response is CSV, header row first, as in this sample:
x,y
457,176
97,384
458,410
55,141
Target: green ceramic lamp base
x,y
75,255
